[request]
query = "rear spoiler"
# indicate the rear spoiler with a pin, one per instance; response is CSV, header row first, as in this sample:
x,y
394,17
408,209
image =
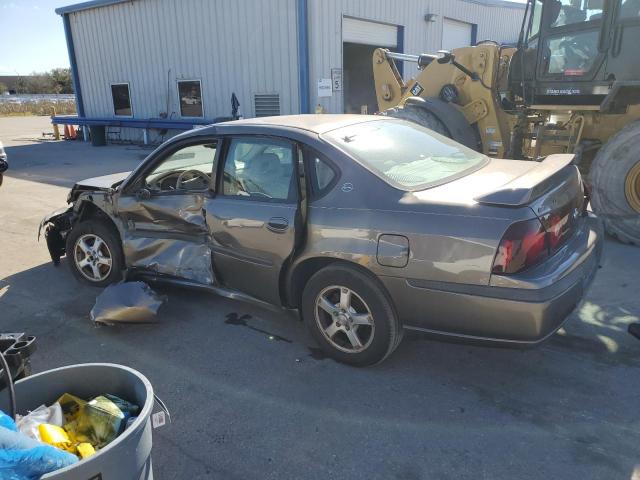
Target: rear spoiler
x,y
527,187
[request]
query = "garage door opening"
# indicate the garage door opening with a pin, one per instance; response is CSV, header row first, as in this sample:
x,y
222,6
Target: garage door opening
x,y
456,34
360,38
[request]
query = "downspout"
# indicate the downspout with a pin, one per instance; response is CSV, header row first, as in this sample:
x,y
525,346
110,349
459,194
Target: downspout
x,y
400,47
74,66
303,55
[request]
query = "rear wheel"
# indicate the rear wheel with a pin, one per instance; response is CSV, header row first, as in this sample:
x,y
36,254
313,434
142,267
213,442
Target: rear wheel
x,y
615,182
350,316
94,253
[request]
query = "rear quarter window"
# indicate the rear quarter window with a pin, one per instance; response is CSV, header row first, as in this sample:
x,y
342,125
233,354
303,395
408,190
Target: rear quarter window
x,y
323,173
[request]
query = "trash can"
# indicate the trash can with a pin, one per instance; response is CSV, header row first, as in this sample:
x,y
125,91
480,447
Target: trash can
x,y
128,457
98,135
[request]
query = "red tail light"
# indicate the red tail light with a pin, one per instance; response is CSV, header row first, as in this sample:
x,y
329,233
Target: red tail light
x,y
524,244
560,225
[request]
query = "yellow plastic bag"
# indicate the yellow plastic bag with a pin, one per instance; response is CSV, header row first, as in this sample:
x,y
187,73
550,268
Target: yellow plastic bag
x,y
97,422
55,436
85,450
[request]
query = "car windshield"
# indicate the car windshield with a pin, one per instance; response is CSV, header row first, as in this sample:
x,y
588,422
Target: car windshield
x,y
404,154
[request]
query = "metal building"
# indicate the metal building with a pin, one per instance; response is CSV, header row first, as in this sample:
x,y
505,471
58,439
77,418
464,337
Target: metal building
x,y
145,68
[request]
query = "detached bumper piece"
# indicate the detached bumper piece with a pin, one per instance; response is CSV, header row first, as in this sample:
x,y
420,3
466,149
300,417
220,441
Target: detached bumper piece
x,y
17,349
127,302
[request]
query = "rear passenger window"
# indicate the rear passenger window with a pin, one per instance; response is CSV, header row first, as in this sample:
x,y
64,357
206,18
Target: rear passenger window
x,y
322,174
259,169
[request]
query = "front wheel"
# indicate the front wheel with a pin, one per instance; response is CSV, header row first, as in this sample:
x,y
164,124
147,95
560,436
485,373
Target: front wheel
x,y
350,316
94,253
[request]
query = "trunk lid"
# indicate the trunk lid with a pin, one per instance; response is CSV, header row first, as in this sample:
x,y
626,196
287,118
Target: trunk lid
x,y
553,190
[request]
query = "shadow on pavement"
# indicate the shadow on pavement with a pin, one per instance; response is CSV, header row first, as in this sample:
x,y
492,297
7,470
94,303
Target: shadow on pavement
x,y
65,162
229,386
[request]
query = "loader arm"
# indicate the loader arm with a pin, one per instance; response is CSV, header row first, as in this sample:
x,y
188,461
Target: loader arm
x,y
477,98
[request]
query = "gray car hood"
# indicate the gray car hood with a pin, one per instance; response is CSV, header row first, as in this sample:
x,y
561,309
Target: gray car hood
x,y
104,182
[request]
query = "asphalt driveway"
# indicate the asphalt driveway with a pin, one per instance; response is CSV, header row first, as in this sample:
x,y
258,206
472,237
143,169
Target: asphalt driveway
x,y
252,398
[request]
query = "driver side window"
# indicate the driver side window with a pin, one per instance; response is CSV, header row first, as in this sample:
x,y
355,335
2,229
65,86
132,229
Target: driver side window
x,y
259,169
187,169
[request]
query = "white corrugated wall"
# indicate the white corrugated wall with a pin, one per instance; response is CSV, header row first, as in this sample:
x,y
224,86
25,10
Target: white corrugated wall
x,y
500,23
241,46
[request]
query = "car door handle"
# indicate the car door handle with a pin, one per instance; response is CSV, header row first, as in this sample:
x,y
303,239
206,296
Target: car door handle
x,y
278,224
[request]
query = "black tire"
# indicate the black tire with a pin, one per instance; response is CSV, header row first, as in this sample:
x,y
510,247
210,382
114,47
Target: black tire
x,y
386,334
420,116
111,238
609,171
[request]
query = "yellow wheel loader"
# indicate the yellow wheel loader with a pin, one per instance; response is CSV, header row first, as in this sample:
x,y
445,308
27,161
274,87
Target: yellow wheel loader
x,y
570,85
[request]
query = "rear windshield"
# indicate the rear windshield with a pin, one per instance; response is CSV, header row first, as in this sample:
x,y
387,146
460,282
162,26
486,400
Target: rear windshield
x,y
404,154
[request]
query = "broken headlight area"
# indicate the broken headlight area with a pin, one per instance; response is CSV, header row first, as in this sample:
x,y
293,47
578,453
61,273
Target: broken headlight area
x,y
56,226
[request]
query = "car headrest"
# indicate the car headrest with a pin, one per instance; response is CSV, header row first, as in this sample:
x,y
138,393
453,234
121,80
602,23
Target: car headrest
x,y
265,164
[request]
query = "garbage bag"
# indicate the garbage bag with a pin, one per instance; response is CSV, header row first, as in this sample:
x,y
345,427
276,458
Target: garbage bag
x,y
55,436
7,422
23,458
127,302
97,422
28,424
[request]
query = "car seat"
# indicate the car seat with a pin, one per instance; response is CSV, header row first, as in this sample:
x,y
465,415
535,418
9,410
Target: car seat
x,y
265,171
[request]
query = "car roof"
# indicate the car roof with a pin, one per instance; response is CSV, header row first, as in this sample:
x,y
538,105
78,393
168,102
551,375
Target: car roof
x,y
317,124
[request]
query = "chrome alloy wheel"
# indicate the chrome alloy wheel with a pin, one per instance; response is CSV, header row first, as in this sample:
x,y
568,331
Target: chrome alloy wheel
x,y
93,257
344,319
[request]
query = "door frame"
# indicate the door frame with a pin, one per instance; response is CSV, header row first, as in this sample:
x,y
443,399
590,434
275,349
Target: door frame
x,y
132,185
299,202
399,47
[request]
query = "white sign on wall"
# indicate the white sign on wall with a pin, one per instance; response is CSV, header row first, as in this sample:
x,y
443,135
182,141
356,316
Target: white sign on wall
x,y
336,79
324,87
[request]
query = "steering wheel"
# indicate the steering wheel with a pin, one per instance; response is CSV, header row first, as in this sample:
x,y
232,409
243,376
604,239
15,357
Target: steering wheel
x,y
189,176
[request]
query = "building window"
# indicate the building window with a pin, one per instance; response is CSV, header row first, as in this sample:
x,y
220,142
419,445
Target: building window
x,y
121,100
190,94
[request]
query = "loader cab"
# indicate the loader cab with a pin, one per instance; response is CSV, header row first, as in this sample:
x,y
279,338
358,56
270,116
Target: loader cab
x,y
578,52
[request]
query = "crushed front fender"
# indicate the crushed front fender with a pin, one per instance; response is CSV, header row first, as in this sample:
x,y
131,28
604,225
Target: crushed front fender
x,y
56,226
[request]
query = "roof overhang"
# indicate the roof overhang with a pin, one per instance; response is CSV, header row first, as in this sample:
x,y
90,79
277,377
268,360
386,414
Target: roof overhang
x,y
78,7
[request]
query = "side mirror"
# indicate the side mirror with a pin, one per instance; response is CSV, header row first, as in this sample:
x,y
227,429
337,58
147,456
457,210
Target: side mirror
x,y
143,194
445,56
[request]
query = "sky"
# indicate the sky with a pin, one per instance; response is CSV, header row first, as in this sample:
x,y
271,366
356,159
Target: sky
x,y
31,36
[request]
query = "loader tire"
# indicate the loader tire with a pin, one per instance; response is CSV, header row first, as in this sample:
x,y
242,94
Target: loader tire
x,y
420,116
615,183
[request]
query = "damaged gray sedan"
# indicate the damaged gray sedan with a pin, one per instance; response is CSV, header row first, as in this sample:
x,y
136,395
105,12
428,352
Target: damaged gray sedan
x,y
367,225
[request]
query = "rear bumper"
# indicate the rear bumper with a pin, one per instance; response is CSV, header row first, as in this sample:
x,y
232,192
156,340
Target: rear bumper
x,y
513,310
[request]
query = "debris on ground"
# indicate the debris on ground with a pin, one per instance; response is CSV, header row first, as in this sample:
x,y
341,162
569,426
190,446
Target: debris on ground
x,y
127,302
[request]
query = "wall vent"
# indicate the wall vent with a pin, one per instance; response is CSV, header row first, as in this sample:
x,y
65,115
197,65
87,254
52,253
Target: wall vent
x,y
266,104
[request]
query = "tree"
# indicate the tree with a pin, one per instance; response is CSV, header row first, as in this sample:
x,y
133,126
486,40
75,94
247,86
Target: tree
x,y
60,79
3,88
22,85
39,83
